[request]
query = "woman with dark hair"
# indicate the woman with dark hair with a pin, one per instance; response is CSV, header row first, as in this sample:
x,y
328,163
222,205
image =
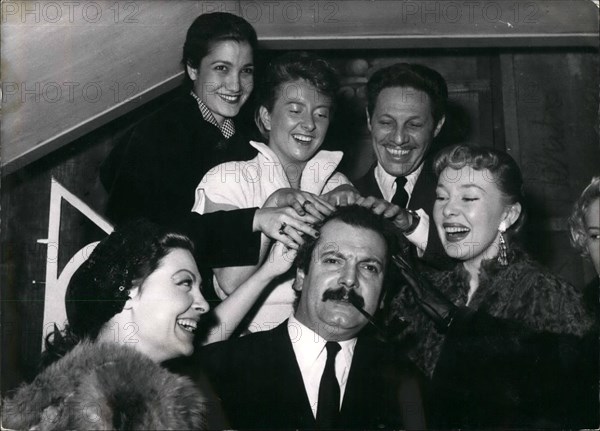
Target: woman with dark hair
x,y
153,173
295,106
478,209
133,304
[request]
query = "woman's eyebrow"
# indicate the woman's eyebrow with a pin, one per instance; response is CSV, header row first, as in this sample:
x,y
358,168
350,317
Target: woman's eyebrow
x,y
292,101
469,186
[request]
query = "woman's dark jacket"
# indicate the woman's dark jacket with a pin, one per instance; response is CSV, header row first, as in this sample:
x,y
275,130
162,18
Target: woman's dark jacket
x,y
153,173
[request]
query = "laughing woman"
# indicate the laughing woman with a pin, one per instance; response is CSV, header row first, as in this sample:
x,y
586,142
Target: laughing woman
x,y
135,303
478,209
295,102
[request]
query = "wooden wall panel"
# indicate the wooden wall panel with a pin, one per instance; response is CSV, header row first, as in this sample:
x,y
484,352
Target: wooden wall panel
x,y
71,67
556,103
423,23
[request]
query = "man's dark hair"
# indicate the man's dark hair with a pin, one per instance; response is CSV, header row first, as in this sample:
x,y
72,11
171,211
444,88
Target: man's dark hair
x,y
407,75
353,215
209,29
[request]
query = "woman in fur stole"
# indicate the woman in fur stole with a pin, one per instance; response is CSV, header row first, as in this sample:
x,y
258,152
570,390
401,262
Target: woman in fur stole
x,y
135,303
484,366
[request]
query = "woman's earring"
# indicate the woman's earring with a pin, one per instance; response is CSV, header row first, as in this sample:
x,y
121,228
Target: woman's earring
x,y
503,254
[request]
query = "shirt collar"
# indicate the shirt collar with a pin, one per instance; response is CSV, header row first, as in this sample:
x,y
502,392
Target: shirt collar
x,y
227,128
311,357
387,182
308,345
317,171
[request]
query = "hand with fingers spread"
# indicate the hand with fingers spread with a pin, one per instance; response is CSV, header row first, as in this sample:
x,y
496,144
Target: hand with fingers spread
x,y
302,202
285,225
405,220
343,195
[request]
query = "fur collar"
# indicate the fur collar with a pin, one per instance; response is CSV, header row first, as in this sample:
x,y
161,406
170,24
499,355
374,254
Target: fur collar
x,y
105,386
523,291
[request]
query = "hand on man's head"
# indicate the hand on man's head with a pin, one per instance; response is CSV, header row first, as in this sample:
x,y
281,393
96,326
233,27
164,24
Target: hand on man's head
x,y
400,217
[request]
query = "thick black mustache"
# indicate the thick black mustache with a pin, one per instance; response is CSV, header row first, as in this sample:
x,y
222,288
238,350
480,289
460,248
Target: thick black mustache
x,y
343,294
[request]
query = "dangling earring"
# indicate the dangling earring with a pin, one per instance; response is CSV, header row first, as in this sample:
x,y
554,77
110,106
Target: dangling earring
x,y
503,254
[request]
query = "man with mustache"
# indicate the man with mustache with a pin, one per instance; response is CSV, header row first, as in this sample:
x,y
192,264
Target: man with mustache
x,y
320,369
406,106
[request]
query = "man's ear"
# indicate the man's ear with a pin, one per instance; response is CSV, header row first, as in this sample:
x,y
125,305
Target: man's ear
x,y
438,126
192,72
265,117
299,280
133,294
368,119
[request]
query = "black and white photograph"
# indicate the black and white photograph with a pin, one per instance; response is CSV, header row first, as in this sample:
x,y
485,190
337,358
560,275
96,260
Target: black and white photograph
x,y
310,214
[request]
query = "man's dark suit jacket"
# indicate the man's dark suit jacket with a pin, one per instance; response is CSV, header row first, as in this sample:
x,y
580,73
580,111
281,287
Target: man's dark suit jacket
x,y
259,382
422,197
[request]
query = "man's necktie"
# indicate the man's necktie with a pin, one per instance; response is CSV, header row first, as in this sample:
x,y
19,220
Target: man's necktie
x,y
329,391
401,196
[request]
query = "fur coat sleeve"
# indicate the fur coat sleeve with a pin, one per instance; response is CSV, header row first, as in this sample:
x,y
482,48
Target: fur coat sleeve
x,y
105,386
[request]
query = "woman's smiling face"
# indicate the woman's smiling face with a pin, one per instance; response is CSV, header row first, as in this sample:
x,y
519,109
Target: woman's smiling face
x,y
225,78
468,211
166,309
298,122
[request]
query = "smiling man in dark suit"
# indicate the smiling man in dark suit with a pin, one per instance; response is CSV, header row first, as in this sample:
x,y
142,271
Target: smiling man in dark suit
x,y
406,106
320,369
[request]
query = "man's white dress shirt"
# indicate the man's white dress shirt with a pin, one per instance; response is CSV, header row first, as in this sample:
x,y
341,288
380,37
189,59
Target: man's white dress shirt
x,y
387,185
311,355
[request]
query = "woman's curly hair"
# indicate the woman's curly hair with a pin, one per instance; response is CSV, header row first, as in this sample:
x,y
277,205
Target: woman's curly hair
x,y
100,287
